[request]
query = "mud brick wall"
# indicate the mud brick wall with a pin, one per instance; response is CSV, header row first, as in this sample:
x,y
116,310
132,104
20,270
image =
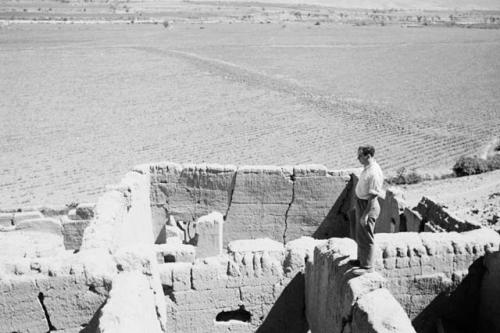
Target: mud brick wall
x,y
489,305
258,285
431,274
122,214
136,301
339,301
283,203
434,277
131,292
54,293
73,231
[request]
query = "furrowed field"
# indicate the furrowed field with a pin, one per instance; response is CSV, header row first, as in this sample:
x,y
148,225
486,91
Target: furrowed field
x,y
81,104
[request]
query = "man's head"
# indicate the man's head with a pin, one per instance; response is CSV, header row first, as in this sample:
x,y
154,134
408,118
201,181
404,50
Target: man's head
x,y
365,154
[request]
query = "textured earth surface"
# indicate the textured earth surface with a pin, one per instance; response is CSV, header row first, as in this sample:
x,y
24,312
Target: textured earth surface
x,y
82,104
473,198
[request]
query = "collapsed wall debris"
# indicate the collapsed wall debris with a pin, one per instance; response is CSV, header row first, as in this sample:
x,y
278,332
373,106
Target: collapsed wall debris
x,y
204,248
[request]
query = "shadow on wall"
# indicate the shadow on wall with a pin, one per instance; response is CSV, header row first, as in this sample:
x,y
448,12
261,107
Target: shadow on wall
x,y
93,325
288,312
340,219
455,310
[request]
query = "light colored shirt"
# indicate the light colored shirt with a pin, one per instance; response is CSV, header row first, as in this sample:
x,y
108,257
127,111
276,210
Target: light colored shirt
x,y
370,181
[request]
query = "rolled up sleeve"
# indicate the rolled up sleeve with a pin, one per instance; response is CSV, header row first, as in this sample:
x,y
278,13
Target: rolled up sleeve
x,y
375,185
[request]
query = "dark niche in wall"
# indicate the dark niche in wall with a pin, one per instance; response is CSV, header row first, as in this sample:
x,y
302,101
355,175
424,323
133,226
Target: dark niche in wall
x,y
241,315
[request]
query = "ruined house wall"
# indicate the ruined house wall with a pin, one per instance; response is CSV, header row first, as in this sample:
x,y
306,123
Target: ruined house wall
x,y
489,304
122,215
283,203
122,227
339,301
131,292
434,277
48,288
437,217
419,267
44,287
136,300
62,292
257,286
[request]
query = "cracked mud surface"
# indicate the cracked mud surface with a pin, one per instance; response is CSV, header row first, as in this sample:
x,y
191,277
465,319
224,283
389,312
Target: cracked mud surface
x,y
82,104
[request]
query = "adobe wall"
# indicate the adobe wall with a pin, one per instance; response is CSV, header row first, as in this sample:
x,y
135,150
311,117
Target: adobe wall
x,y
283,203
122,215
337,300
45,288
130,306
59,292
428,272
257,286
489,295
122,227
434,277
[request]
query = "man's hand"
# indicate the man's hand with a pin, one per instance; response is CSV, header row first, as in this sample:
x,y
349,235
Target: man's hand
x,y
364,219
370,207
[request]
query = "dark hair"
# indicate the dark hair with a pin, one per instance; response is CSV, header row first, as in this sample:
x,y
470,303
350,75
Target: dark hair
x,y
367,150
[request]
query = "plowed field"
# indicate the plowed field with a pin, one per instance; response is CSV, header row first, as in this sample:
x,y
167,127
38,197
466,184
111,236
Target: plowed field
x,y
81,104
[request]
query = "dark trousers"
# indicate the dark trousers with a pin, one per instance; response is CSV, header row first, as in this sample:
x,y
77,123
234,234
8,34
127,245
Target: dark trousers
x,y
365,233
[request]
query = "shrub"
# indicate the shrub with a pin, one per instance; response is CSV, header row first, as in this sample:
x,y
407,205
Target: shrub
x,y
405,176
494,162
72,205
466,166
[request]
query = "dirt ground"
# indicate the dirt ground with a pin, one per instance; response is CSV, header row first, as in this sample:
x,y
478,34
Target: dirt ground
x,y
81,104
473,198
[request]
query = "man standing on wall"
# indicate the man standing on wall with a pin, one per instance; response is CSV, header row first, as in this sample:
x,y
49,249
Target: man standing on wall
x,y
368,190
